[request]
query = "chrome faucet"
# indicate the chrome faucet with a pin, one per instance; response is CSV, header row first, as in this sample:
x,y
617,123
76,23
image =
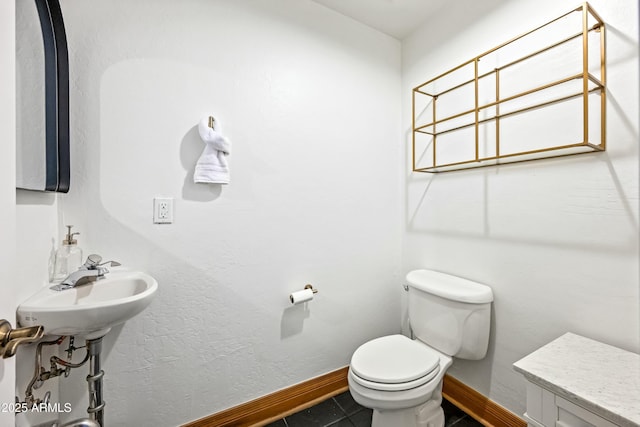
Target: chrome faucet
x,y
90,271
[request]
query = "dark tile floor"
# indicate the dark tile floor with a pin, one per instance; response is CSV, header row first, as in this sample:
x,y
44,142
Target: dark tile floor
x,y
343,411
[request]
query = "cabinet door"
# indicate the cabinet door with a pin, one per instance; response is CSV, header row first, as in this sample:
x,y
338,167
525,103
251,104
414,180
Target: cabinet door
x,y
571,415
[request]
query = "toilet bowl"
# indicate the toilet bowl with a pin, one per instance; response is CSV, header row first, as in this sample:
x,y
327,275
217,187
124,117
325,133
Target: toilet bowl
x,y
401,378
397,376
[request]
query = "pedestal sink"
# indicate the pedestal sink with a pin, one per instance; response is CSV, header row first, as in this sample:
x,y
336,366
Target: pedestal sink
x,y
89,310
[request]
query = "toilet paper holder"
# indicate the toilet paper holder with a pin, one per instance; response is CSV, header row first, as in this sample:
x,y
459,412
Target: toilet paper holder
x,y
304,295
309,286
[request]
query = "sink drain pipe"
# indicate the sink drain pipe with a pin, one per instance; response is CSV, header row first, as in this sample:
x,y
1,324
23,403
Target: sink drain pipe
x,y
94,380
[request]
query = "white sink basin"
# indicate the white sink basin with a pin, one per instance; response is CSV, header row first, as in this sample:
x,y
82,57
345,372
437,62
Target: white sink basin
x,y
89,310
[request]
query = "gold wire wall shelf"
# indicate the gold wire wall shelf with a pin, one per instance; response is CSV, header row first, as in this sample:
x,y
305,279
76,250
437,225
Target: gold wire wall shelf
x,y
529,98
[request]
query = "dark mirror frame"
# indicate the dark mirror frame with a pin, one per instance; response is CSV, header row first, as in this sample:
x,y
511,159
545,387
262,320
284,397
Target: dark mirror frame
x,y
56,60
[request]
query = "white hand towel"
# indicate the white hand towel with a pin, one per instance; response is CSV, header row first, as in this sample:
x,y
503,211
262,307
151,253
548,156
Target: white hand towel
x,y
212,167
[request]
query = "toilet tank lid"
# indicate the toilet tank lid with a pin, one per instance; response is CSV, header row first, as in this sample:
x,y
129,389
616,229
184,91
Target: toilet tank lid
x,y
450,287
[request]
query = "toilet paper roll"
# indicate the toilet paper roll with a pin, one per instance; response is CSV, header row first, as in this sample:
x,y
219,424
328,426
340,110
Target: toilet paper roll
x,y
301,296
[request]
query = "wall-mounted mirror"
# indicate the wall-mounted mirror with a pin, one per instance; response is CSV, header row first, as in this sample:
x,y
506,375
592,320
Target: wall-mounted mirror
x,y
42,97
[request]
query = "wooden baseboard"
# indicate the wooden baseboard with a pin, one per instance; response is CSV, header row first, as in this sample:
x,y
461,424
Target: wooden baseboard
x,y
485,411
271,407
274,406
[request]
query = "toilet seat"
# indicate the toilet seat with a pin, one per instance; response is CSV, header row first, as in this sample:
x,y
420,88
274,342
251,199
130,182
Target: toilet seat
x,y
394,363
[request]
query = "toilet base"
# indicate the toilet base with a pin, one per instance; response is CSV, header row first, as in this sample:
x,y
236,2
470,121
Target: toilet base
x,y
416,407
429,414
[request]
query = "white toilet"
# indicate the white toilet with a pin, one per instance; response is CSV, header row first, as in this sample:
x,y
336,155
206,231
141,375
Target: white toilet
x,y
401,378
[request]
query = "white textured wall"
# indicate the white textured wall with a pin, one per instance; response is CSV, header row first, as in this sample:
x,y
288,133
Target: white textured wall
x,y
557,240
310,100
28,229
7,193
37,237
33,235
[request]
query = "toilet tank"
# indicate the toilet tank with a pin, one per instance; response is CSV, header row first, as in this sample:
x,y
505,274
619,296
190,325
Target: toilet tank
x,y
449,313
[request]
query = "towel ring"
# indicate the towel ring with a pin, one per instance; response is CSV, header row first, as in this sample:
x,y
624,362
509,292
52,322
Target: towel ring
x,y
211,121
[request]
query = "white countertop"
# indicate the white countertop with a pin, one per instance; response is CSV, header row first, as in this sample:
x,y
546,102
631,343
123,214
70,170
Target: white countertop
x,y
596,376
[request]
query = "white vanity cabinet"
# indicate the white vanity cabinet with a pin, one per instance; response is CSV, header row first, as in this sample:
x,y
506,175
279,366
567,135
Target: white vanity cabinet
x,y
578,382
547,409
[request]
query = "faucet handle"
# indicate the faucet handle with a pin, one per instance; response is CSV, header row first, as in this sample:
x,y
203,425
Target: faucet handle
x,y
111,263
92,261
